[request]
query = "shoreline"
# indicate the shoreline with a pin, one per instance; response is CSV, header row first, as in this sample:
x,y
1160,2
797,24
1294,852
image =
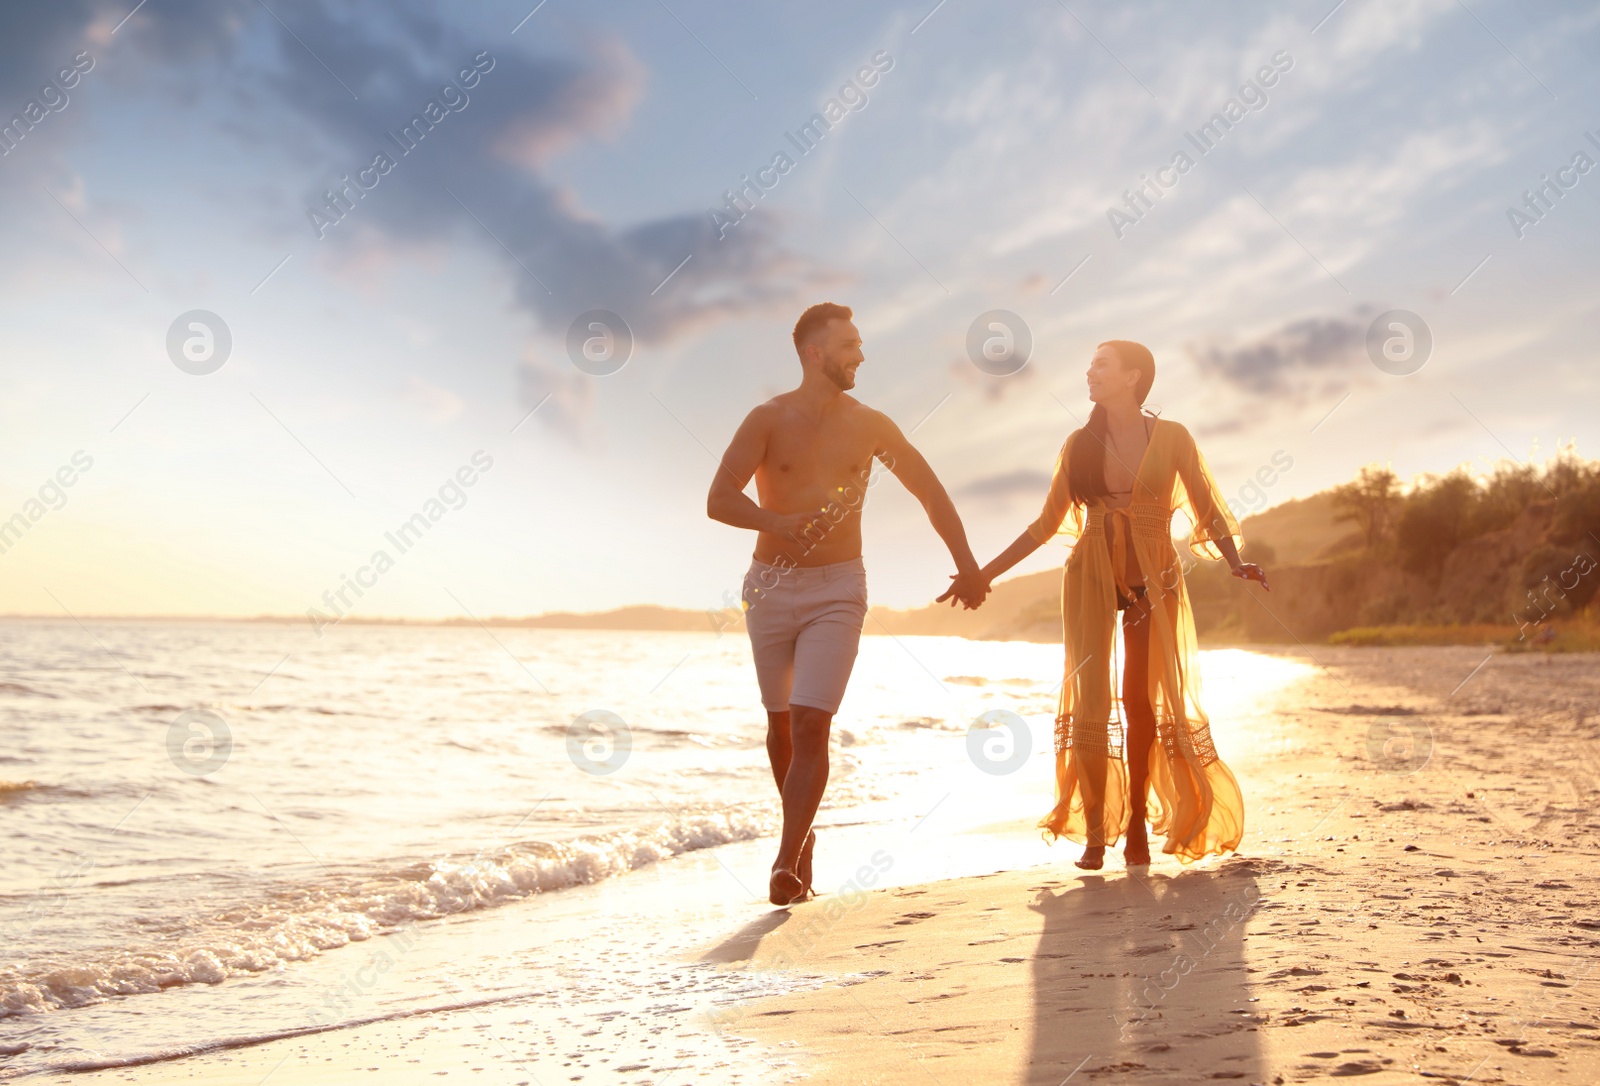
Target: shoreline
x,y
1565,637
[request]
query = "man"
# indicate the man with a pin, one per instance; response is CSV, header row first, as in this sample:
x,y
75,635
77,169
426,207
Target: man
x,y
805,596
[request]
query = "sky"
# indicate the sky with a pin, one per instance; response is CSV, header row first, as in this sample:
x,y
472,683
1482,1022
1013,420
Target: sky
x,y
355,361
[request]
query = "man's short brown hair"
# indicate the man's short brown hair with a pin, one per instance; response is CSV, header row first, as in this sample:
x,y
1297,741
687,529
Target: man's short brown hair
x,y
816,318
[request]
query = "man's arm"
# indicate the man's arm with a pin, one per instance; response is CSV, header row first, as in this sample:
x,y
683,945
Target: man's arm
x,y
960,588
727,500
908,465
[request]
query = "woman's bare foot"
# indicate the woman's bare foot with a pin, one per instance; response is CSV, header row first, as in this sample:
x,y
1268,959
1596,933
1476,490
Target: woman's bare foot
x,y
785,887
803,869
1136,853
1093,858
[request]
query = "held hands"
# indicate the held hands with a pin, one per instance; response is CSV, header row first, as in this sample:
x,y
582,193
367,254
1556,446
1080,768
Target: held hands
x,y
1249,571
968,588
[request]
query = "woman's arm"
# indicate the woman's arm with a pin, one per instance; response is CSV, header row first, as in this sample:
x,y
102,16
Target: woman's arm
x,y
1020,548
1214,522
1247,571
1057,504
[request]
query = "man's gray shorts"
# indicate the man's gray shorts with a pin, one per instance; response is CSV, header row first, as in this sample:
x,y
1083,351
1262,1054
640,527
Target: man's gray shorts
x,y
805,628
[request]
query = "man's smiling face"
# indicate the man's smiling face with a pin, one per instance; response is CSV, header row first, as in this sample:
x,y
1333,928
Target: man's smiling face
x,y
841,353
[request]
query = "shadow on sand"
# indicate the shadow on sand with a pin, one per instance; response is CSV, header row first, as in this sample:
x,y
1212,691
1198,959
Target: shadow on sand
x,y
741,945
1146,974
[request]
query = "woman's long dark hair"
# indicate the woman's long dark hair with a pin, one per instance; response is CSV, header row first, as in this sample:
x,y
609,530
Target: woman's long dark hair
x,y
1086,469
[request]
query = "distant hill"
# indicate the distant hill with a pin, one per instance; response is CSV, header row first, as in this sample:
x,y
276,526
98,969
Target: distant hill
x,y
642,617
1028,608
1298,531
647,617
1453,552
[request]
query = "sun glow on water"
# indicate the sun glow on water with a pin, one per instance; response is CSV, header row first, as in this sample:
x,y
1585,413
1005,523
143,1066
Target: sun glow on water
x,y
1238,691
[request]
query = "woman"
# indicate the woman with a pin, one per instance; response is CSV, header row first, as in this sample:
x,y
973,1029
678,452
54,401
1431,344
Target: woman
x,y
1116,484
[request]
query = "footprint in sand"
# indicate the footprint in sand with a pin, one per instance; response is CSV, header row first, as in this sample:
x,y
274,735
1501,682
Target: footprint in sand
x,y
1357,1067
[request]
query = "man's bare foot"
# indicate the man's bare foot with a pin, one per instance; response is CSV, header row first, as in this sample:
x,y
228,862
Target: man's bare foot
x,y
1136,853
1093,858
785,887
803,869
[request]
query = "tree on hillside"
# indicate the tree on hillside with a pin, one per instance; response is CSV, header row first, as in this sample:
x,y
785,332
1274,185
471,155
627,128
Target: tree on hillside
x,y
1369,501
1577,530
1559,580
1505,493
1436,516
1577,517
1567,472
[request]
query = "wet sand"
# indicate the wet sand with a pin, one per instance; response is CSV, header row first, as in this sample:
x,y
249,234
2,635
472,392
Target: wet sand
x,y
1414,900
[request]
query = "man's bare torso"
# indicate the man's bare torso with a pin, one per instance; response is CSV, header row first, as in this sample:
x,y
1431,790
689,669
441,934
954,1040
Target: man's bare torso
x,y
820,464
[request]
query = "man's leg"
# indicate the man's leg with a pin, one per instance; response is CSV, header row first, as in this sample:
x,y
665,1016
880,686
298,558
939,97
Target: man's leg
x,y
1141,723
770,621
804,781
831,606
780,749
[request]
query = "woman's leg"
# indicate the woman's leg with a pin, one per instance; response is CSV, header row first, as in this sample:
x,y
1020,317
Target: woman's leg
x,y
1140,721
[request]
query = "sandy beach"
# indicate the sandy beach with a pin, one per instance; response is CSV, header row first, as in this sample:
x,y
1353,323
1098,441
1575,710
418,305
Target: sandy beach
x,y
1436,924
1411,903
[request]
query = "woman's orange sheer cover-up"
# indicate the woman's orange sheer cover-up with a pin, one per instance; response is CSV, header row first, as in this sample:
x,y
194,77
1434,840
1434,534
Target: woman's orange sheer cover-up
x,y
1192,796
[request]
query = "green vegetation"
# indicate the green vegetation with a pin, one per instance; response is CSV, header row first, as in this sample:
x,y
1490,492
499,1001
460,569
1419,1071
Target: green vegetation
x,y
1553,636
1509,556
1480,634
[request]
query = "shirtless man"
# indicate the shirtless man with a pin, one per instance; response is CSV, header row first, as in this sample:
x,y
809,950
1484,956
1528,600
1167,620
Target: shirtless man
x,y
805,595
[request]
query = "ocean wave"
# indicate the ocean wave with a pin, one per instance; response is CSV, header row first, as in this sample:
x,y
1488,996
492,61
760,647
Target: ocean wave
x,y
18,688
32,791
300,922
292,707
990,680
725,994
930,723
674,737
164,1055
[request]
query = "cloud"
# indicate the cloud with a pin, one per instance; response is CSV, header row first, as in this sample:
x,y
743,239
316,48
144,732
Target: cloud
x,y
1311,351
1022,483
337,78
1209,428
561,398
480,174
584,102
37,40
436,405
995,387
